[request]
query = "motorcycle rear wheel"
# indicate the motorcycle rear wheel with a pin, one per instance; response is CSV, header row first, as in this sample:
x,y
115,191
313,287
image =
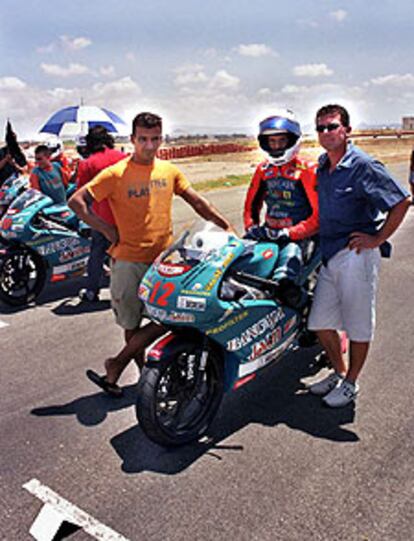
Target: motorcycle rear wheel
x,y
176,402
22,277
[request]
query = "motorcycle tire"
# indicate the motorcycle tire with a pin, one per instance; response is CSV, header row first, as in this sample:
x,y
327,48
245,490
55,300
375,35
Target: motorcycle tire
x,y
22,277
176,401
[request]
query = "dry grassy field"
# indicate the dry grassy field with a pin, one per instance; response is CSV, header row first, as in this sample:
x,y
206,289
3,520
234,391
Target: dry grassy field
x,y
212,172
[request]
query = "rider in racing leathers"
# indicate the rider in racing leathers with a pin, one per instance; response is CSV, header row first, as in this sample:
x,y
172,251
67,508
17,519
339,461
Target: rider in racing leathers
x,y
287,185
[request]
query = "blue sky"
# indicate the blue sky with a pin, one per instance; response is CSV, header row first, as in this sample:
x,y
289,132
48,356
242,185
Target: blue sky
x,y
206,64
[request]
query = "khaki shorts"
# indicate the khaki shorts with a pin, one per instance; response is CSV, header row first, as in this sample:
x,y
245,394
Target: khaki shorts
x,y
345,294
125,279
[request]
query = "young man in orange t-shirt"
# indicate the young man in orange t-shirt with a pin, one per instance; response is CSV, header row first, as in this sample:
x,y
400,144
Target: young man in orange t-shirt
x,y
140,191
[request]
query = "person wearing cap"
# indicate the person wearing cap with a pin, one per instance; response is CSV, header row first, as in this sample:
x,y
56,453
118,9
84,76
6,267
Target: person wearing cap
x,y
286,185
99,147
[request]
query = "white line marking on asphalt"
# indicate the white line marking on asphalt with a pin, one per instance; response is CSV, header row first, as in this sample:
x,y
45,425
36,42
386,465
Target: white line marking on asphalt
x,y
71,513
3,324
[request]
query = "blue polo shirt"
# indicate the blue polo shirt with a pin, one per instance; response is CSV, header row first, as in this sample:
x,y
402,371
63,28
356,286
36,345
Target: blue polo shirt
x,y
354,197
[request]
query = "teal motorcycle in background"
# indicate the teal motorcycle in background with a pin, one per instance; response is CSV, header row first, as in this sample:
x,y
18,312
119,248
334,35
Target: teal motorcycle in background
x,y
40,242
225,323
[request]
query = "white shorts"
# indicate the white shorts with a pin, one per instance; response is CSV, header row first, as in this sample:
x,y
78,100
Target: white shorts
x,y
125,279
345,294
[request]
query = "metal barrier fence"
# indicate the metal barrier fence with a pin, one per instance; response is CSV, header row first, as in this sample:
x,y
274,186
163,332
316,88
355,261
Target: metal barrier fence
x,y
186,151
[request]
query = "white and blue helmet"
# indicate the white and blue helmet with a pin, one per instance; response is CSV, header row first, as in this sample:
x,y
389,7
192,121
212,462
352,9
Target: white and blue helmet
x,y
282,123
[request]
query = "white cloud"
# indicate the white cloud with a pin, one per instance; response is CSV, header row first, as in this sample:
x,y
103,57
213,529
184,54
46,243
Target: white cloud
x,y
339,15
46,48
263,92
130,57
190,74
223,80
29,107
107,71
309,23
11,83
394,80
61,71
75,43
312,70
255,50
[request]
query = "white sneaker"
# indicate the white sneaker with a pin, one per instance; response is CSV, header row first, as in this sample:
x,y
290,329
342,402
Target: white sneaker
x,y
321,388
342,396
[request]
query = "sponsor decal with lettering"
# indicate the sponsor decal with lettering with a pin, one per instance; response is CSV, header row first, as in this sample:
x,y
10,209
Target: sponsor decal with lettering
x,y
290,323
195,292
267,254
172,269
191,303
252,365
143,292
219,272
229,323
180,317
156,313
58,245
255,330
268,342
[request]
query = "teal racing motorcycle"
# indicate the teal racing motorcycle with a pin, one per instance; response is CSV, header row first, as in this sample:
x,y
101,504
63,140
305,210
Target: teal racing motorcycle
x,y
225,322
41,242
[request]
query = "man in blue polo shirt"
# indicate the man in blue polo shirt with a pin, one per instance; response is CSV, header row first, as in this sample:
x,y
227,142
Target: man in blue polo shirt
x,y
360,206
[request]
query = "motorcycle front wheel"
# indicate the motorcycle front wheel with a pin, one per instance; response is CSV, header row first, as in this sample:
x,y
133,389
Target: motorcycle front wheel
x,y
22,277
177,400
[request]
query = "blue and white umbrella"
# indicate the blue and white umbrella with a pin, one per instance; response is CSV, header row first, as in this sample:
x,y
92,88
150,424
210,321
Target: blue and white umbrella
x,y
77,120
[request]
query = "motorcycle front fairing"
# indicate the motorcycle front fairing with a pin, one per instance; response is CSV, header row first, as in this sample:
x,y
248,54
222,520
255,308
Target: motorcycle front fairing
x,y
190,291
34,221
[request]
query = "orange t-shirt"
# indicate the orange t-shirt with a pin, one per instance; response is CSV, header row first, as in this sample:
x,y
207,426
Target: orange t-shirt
x,y
140,197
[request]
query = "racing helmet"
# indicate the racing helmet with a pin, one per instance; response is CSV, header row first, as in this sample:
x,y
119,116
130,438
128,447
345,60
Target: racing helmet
x,y
55,146
281,123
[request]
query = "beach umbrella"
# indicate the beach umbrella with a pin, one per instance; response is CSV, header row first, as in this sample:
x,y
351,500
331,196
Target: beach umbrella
x,y
77,120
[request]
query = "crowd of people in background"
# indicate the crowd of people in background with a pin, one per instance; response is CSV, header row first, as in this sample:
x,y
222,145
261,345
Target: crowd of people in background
x,y
349,199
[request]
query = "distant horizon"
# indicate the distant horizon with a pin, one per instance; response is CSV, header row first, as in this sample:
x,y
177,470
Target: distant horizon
x,y
308,133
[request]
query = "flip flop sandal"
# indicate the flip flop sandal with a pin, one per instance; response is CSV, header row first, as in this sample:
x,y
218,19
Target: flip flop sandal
x,y
111,388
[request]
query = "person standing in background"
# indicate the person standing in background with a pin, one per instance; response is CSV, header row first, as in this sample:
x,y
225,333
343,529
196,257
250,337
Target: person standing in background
x,y
101,154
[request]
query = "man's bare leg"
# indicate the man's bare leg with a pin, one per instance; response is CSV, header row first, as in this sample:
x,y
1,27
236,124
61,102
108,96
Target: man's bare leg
x,y
139,358
358,352
331,342
138,341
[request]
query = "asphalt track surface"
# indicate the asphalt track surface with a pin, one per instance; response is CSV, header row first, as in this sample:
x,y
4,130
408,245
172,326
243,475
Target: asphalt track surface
x,y
278,466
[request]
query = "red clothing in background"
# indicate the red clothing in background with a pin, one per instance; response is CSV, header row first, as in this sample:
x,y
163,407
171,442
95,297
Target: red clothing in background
x,y
89,168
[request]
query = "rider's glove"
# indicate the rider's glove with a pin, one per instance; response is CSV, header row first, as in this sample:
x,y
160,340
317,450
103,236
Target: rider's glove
x,y
255,232
281,236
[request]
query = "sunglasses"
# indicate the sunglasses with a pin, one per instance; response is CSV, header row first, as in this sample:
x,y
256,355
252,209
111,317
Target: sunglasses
x,y
321,128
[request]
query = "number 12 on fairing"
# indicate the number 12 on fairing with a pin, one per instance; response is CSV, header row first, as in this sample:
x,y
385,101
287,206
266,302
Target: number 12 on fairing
x,y
163,291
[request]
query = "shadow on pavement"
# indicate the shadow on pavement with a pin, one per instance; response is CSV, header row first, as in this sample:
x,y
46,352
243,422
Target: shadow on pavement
x,y
66,290
276,397
93,409
66,308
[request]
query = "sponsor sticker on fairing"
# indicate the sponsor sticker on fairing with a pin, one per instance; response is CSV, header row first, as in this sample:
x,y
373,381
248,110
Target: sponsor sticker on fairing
x,y
143,292
156,313
191,303
172,269
180,317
